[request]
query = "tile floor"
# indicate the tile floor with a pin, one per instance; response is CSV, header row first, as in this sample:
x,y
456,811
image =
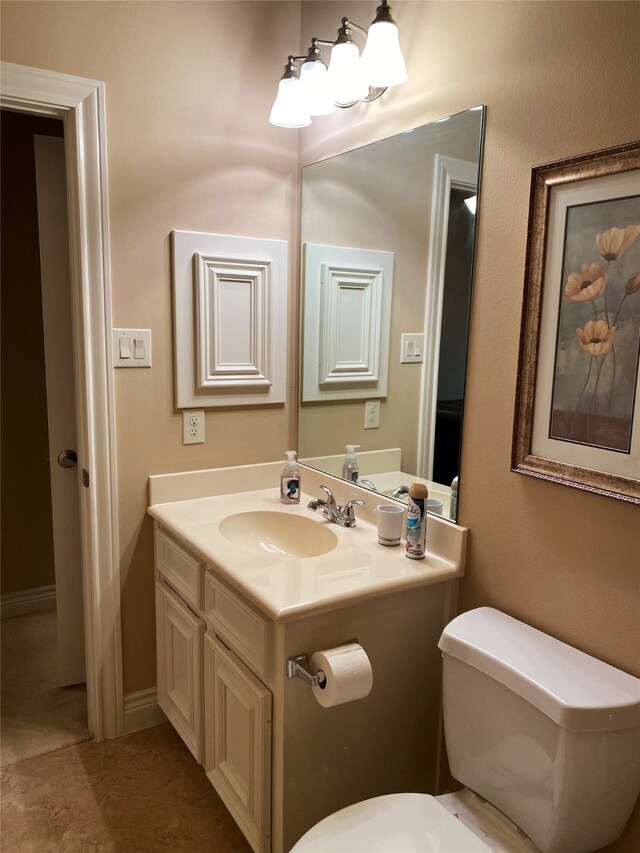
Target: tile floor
x,y
36,714
141,792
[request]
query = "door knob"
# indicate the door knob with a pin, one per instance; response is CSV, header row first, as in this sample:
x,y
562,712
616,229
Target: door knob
x,y
67,459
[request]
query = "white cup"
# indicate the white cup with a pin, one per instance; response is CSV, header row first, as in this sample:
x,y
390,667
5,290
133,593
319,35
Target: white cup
x,y
434,505
390,523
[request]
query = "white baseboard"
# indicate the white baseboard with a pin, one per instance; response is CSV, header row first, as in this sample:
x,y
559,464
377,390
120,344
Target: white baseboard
x,y
40,599
141,710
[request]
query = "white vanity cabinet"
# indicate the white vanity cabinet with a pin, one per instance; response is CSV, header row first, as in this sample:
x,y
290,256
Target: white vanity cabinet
x,y
211,648
280,761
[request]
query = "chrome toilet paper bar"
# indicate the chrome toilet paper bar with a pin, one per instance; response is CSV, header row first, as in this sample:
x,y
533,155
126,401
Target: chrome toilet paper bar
x,y
298,666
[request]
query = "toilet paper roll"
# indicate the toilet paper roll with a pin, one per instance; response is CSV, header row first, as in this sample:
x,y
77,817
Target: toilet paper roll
x,y
345,674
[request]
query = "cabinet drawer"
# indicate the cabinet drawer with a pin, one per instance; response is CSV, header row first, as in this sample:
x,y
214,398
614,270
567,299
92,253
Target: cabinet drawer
x,y
179,568
240,627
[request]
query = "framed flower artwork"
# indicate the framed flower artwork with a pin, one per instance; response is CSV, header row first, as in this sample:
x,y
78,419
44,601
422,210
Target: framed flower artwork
x,y
577,413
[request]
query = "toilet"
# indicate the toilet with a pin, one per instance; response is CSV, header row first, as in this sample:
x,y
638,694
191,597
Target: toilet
x,y
545,739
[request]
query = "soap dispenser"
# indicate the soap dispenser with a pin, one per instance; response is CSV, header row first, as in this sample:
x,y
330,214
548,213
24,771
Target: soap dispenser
x,y
290,480
350,467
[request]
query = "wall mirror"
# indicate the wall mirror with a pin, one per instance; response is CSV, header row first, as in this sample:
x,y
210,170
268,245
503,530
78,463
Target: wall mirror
x,y
388,235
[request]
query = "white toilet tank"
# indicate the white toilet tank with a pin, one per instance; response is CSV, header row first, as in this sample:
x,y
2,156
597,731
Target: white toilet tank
x,y
546,733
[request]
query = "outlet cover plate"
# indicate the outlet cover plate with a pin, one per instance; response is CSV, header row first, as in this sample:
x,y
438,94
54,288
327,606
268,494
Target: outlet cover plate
x,y
193,426
372,414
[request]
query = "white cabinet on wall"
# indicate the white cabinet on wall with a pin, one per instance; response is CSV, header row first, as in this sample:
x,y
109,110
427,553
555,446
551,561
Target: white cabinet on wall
x,y
238,740
230,316
347,322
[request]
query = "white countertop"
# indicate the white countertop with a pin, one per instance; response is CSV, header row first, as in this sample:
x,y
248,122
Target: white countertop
x,y
284,587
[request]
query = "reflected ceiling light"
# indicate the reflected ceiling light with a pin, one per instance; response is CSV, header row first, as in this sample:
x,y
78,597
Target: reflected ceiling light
x,y
350,78
472,203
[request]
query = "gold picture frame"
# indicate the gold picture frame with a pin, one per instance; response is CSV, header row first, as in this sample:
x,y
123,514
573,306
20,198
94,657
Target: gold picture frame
x,y
577,408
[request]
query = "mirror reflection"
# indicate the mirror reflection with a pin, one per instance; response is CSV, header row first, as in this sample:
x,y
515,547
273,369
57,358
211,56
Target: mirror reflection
x,y
388,234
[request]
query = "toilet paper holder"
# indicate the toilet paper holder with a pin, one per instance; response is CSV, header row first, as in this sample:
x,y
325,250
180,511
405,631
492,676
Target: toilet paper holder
x,y
298,666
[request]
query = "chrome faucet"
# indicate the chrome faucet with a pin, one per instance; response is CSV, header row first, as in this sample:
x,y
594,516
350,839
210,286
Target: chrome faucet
x,y
368,484
401,490
344,516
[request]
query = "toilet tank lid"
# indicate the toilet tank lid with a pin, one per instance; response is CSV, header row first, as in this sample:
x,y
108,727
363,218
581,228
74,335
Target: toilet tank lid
x,y
577,691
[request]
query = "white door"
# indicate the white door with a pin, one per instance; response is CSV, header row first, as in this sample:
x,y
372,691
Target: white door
x,y
61,409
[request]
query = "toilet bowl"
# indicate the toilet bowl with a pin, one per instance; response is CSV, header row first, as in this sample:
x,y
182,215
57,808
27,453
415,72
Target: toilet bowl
x,y
545,738
416,823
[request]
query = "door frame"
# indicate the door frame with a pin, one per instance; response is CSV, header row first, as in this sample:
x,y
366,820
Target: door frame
x,y
448,173
80,103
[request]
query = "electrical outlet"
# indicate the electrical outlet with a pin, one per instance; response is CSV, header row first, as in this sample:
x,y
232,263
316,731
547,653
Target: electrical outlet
x,y
372,414
193,426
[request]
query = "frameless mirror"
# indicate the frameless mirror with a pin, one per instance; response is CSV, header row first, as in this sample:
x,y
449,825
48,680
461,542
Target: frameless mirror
x,y
388,234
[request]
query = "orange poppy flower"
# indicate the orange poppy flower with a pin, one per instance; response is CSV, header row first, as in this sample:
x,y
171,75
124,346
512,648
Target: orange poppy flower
x,y
586,284
596,338
614,242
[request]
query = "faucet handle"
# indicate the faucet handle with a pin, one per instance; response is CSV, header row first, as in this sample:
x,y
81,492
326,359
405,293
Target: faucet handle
x,y
331,501
347,509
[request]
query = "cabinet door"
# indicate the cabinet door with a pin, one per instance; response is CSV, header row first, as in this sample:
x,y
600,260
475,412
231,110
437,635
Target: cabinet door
x,y
238,741
179,636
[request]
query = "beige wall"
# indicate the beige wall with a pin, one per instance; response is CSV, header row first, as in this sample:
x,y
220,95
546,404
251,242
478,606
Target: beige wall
x,y
561,559
188,90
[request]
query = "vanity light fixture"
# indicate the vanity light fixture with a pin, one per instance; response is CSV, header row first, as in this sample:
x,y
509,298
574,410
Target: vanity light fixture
x,y
472,203
350,78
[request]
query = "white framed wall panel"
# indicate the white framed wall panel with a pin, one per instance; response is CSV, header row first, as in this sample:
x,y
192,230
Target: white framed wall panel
x,y
230,314
347,318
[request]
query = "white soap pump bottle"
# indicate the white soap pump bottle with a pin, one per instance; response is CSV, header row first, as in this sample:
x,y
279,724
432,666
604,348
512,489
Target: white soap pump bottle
x,y
290,480
350,468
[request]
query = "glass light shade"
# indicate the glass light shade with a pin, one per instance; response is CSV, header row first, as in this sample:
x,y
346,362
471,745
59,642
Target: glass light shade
x,y
472,203
314,85
346,81
382,60
289,108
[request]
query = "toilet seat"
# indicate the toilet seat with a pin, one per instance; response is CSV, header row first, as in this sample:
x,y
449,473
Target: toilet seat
x,y
394,823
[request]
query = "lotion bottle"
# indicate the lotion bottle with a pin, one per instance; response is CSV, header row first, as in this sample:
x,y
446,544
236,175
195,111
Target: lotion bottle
x,y
350,468
290,480
416,533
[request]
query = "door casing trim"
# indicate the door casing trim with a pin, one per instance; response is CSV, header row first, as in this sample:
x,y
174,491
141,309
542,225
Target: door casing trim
x,y
80,103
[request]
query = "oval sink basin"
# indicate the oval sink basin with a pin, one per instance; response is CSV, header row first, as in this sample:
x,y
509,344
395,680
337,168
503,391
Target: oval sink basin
x,y
266,532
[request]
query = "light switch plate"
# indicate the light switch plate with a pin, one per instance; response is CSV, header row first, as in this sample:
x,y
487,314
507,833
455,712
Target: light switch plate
x,y
412,348
131,347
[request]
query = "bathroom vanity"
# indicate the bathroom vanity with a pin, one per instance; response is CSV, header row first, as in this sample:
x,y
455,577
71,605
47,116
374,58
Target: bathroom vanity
x,y
242,584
